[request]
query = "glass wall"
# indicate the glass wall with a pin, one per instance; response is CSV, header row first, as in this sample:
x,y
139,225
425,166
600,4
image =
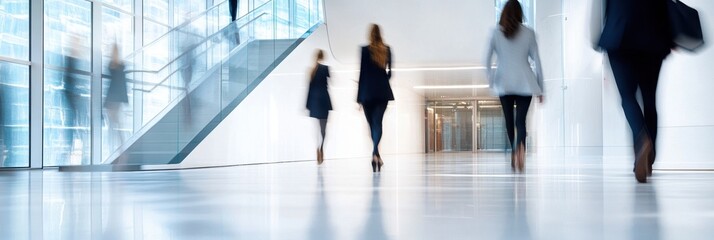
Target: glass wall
x,y
117,31
14,83
451,126
67,89
79,38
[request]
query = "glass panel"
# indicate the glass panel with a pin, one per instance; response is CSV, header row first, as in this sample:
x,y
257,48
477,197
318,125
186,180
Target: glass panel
x,y
188,76
157,10
453,123
117,28
492,134
15,115
66,118
153,31
68,24
125,5
117,121
186,9
66,139
15,29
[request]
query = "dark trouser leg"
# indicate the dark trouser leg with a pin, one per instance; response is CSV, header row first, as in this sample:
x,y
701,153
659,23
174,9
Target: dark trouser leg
x,y
522,106
233,8
648,87
323,127
375,114
633,71
507,102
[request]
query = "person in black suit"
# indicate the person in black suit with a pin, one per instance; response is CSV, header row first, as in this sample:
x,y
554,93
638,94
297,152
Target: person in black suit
x,y
318,99
637,38
374,90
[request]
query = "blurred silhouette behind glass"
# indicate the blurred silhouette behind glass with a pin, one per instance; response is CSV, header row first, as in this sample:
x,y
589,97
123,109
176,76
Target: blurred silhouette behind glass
x,y
318,98
77,113
116,97
514,81
233,8
187,62
233,34
636,51
5,116
374,91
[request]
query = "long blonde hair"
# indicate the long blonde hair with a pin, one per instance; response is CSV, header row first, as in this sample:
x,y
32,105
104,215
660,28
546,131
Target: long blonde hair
x,y
377,48
319,56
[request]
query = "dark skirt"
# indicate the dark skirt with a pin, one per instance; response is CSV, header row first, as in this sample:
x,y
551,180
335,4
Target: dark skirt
x,y
319,104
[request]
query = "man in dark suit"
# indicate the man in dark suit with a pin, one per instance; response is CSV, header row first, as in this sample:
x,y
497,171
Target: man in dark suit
x,y
637,38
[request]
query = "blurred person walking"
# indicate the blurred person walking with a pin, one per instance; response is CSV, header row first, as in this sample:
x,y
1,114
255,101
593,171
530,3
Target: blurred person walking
x,y
637,37
318,98
514,80
5,118
116,97
374,90
233,8
78,106
187,44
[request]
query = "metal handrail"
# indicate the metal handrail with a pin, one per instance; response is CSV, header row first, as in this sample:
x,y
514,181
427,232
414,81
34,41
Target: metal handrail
x,y
208,38
177,69
175,29
178,28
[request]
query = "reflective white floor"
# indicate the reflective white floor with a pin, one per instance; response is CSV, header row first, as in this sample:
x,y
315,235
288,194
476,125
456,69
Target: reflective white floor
x,y
443,196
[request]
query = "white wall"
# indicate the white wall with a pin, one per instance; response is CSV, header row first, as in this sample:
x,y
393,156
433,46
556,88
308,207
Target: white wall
x,y
423,33
589,106
571,115
271,124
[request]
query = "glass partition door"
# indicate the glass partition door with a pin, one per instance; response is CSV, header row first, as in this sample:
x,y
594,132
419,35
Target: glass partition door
x,y
14,83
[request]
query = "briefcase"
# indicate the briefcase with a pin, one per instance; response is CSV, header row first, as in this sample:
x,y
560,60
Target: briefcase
x,y
686,26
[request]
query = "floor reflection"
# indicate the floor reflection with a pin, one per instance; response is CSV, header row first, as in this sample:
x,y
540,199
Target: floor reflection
x,y
321,228
374,226
456,196
645,221
517,226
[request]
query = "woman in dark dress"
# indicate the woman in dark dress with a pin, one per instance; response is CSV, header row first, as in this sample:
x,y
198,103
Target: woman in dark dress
x,y
117,95
318,99
374,91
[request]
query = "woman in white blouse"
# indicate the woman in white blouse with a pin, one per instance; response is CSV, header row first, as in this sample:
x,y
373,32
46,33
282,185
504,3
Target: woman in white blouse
x,y
515,81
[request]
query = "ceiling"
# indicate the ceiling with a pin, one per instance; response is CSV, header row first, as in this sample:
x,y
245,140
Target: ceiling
x,y
428,39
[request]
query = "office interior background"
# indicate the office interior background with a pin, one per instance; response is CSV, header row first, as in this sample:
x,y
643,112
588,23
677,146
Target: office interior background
x,y
443,104
439,49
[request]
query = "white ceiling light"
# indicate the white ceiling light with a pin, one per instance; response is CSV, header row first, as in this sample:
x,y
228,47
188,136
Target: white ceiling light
x,y
452,86
439,69
417,69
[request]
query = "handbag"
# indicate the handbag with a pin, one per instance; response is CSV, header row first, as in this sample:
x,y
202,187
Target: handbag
x,y
686,26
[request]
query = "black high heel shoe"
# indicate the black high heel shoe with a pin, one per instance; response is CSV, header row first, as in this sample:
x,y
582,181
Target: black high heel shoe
x,y
380,163
374,164
513,161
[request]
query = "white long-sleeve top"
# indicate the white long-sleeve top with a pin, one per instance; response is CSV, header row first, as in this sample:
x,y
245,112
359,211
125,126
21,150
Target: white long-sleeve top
x,y
514,75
